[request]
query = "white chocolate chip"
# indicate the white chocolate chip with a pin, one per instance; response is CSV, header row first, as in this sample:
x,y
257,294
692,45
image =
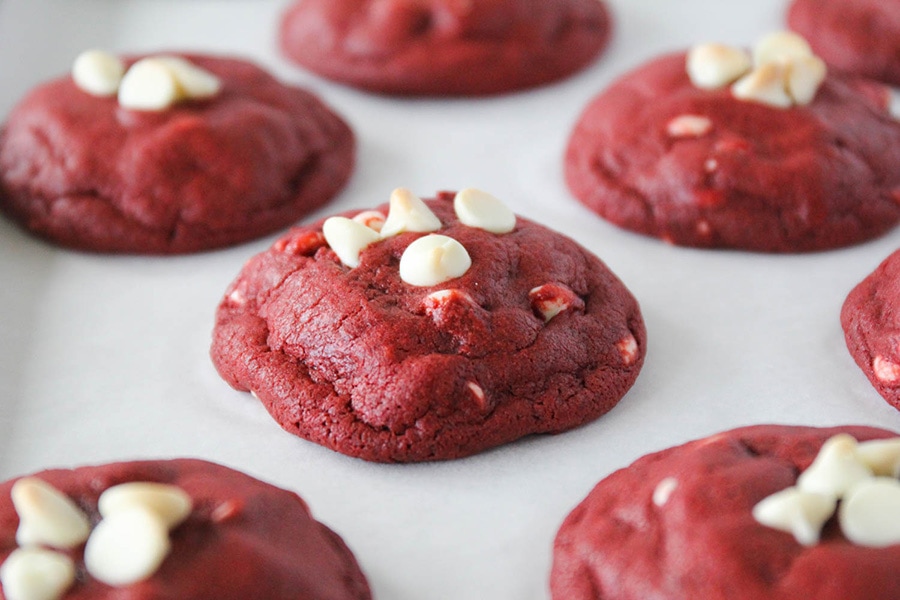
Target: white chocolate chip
x,y
127,547
482,210
170,503
348,238
98,73
684,126
550,299
373,219
886,371
628,349
663,491
882,456
477,392
47,516
408,213
835,469
868,513
712,66
781,46
764,84
36,574
433,259
442,298
804,76
796,511
193,82
148,85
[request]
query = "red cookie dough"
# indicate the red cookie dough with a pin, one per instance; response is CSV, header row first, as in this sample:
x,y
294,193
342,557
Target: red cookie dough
x,y
243,539
84,172
871,322
857,36
444,47
760,178
361,362
699,539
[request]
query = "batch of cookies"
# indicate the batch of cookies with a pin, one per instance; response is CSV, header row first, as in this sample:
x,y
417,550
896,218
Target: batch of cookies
x,y
434,329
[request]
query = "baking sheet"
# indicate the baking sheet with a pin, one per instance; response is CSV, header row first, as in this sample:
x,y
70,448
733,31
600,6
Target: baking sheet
x,y
105,358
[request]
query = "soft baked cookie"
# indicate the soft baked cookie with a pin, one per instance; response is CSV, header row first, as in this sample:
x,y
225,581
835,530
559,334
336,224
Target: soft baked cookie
x,y
714,149
871,322
181,154
428,330
767,512
444,47
184,528
856,36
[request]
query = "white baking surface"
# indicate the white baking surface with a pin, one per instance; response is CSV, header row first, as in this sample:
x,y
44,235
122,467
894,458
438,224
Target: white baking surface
x,y
105,358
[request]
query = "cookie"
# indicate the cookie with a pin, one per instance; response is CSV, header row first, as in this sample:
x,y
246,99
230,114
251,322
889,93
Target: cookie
x,y
173,155
181,528
861,37
871,326
428,330
444,47
714,149
766,512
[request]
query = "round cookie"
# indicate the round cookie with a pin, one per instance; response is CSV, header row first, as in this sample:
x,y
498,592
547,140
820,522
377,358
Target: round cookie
x,y
857,36
683,524
241,538
535,336
660,156
871,324
444,47
85,172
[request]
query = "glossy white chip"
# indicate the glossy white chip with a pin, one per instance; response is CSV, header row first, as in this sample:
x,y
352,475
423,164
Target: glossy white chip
x,y
149,85
127,547
170,503
765,84
836,468
712,66
688,126
433,259
804,77
36,574
797,512
663,491
882,456
476,208
408,213
98,73
870,512
348,238
47,517
193,82
781,46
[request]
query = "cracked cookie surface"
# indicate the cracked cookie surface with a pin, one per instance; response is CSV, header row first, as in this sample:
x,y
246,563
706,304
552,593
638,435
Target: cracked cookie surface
x,y
86,173
871,324
444,47
243,538
656,155
678,524
538,336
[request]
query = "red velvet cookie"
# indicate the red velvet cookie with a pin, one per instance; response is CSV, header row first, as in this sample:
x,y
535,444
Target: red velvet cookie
x,y
658,155
871,322
236,538
857,36
444,47
686,523
85,172
527,332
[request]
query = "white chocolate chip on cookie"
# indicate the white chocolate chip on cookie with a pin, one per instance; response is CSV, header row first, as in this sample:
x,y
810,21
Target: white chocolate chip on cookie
x,y
149,85
764,84
882,456
348,238
170,503
47,516
796,511
127,547
193,82
712,66
550,299
98,73
36,574
836,468
476,208
433,259
886,371
688,126
408,213
804,77
868,513
781,46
